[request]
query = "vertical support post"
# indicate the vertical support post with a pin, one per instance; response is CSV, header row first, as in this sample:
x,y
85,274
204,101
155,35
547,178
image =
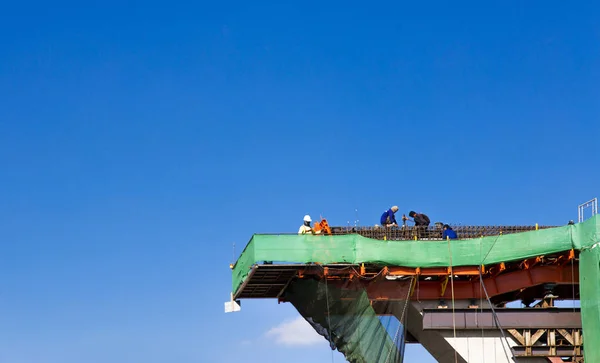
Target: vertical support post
x,y
552,342
527,336
577,341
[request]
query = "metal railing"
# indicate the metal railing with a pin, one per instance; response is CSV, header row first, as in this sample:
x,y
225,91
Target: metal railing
x,y
593,204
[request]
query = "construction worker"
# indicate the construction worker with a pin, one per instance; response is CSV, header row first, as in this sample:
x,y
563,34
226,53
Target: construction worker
x,y
420,219
388,218
449,233
306,228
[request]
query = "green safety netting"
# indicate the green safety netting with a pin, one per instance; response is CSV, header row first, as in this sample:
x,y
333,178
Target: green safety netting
x,y
589,291
356,249
345,317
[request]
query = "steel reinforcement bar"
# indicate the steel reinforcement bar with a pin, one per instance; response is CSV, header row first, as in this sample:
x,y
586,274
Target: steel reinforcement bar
x,y
432,232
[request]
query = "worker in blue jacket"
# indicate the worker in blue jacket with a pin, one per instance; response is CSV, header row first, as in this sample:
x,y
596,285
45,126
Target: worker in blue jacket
x,y
449,232
388,218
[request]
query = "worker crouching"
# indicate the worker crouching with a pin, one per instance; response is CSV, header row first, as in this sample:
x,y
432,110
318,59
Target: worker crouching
x,y
420,219
449,233
388,218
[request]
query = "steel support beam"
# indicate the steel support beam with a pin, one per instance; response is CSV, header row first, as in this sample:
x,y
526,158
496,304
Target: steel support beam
x,y
434,271
475,319
383,289
544,351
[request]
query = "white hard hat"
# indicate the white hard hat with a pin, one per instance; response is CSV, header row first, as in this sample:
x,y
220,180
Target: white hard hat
x,y
307,218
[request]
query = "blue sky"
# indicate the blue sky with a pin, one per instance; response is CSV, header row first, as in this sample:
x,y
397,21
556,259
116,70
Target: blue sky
x,y
139,140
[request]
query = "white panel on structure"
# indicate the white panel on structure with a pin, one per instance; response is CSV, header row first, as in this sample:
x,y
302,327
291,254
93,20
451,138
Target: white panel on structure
x,y
492,347
477,349
232,306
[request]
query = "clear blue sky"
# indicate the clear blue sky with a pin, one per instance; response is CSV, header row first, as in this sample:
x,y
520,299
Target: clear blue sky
x,y
139,140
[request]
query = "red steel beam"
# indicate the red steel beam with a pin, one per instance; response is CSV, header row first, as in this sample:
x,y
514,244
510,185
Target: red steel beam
x,y
504,283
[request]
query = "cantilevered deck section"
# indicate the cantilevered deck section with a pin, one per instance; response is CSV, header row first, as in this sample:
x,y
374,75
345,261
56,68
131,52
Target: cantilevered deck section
x,y
376,248
501,263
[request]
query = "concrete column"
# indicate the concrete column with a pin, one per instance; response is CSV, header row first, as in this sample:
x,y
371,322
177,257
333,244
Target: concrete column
x,y
433,341
492,347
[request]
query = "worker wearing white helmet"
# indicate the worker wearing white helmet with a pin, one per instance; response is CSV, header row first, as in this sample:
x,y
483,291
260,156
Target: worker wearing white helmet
x,y
306,228
388,218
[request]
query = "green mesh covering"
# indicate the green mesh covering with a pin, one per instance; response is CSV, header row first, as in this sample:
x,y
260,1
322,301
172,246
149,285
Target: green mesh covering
x,y
346,313
589,287
357,249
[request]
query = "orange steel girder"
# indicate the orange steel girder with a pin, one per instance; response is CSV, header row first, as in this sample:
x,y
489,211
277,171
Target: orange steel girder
x,y
495,285
434,271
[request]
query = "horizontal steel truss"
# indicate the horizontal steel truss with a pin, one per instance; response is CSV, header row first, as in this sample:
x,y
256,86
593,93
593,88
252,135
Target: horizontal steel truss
x,y
548,343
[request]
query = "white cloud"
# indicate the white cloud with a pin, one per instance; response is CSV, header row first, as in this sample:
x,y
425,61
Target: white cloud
x,y
296,332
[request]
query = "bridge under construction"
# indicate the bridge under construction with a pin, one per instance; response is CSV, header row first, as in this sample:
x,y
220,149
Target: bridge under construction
x,y
450,296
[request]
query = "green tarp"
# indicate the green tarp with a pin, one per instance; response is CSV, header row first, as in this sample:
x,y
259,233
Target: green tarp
x,y
589,290
356,249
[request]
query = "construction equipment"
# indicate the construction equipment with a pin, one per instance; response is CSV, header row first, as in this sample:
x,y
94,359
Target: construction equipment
x,y
322,227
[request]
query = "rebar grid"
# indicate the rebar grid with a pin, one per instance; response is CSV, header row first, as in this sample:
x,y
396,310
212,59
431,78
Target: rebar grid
x,y
432,232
